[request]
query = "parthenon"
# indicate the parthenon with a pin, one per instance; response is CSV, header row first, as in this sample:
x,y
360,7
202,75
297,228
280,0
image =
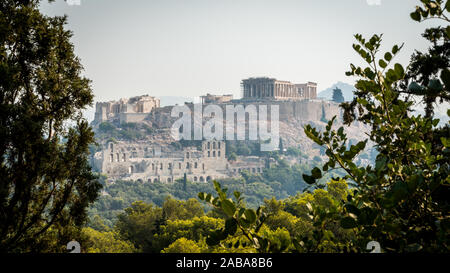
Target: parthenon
x,y
270,88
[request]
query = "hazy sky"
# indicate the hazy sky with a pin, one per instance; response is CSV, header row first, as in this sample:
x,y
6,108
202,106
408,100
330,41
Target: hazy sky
x,y
191,47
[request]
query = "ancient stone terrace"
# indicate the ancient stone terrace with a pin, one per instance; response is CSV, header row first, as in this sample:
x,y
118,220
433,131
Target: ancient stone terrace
x,y
134,109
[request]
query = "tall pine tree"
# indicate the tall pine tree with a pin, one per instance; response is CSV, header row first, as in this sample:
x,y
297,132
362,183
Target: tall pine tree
x,y
337,95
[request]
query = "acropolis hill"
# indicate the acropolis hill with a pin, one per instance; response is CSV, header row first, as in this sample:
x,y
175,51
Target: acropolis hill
x,y
295,100
156,158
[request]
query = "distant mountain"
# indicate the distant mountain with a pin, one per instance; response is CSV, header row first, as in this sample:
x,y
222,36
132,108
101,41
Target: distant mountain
x,y
347,91
172,100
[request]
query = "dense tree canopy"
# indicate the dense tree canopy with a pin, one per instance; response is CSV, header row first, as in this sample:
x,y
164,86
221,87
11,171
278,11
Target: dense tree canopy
x,y
179,226
46,182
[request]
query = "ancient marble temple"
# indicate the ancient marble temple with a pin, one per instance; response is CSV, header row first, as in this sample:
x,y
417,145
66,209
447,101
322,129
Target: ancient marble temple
x,y
270,88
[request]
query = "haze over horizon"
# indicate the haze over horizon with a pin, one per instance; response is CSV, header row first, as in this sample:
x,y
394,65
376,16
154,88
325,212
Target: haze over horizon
x,y
189,48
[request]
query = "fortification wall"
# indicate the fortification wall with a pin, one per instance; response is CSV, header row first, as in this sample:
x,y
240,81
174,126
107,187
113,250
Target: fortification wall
x,y
132,117
310,110
303,110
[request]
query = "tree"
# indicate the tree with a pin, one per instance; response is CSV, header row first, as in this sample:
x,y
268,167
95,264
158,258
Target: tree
x,y
183,245
305,223
106,242
138,224
195,229
281,146
401,201
46,182
174,209
337,95
232,157
425,69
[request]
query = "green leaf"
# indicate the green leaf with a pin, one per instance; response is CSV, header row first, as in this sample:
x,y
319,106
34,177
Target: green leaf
x,y
236,245
382,63
208,198
241,212
399,71
217,186
361,145
237,194
250,215
395,49
445,142
352,208
228,207
380,163
348,222
231,226
388,56
214,238
309,133
416,16
309,179
435,122
316,173
445,77
398,192
201,196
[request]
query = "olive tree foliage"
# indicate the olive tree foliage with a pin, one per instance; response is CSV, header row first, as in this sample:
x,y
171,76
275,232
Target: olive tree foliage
x,y
403,200
238,219
46,182
311,225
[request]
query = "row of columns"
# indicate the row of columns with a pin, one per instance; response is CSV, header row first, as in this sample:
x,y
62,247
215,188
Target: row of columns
x,y
273,90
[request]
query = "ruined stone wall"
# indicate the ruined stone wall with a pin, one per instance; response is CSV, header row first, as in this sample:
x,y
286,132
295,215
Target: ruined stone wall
x,y
310,110
146,162
303,111
134,109
132,117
